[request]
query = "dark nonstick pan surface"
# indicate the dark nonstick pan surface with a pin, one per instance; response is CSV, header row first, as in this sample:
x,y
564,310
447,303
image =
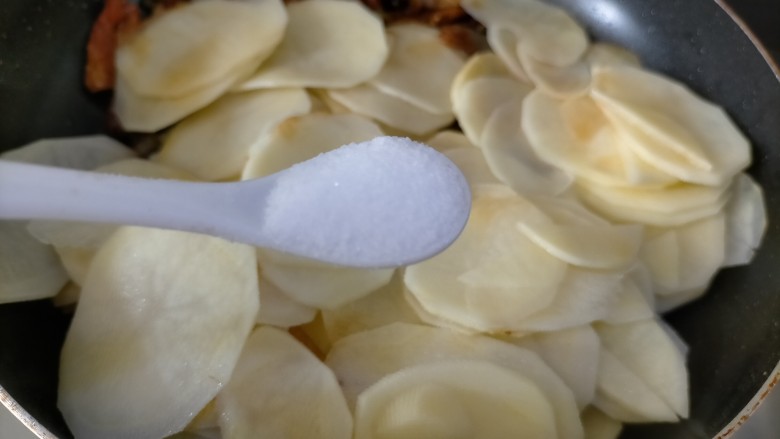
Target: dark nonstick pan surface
x,y
734,332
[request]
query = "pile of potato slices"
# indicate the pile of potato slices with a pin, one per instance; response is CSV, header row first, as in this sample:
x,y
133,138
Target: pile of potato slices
x,y
603,195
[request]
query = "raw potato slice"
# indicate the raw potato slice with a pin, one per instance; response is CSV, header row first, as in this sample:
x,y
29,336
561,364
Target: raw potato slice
x,y
560,82
362,359
545,32
574,355
583,297
82,152
327,44
598,425
476,101
746,221
394,112
313,336
472,164
197,45
76,262
646,350
279,310
67,297
280,389
511,158
610,55
382,307
449,140
480,65
638,172
676,131
149,114
492,277
321,285
214,143
301,138
632,303
29,270
463,399
161,322
504,41
575,136
420,68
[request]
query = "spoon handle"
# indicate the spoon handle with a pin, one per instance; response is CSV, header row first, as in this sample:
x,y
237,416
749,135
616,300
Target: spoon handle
x,y
42,192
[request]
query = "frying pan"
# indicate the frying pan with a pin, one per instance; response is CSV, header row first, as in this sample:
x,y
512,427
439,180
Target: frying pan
x,y
733,332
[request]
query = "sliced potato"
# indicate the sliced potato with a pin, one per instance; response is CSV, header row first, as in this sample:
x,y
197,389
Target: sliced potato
x,y
574,355
420,68
471,162
280,389
362,359
29,270
279,310
301,138
160,324
321,285
76,261
475,102
560,82
328,43
675,130
68,296
448,140
214,143
504,40
480,65
644,350
598,425
463,399
382,307
602,54
197,45
492,277
394,112
314,336
634,302
80,152
746,221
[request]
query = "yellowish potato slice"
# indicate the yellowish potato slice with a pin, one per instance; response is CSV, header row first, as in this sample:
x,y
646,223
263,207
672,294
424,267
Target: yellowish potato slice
x,y
80,152
327,43
362,359
504,40
512,159
279,310
598,425
214,143
575,136
463,399
471,162
545,32
675,130
29,269
313,336
638,172
635,300
420,68
602,54
280,389
492,277
149,114
68,296
448,140
301,138
76,262
161,321
652,368
480,65
574,355
318,284
479,99
746,221
192,47
382,307
394,112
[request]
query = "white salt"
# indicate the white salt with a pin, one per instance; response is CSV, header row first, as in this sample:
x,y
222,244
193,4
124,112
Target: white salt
x,y
386,202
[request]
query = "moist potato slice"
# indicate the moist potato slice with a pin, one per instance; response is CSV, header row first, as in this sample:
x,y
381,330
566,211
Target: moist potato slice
x,y
504,40
280,310
475,102
746,221
598,425
197,45
29,269
480,65
362,359
214,143
471,162
280,389
392,111
463,399
327,43
448,140
161,321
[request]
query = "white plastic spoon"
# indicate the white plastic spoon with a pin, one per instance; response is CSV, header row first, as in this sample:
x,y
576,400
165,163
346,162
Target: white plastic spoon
x,y
382,203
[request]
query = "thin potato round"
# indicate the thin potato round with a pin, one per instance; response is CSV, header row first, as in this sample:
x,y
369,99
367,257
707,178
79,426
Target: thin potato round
x,y
394,112
328,43
471,162
598,425
560,82
280,389
480,65
746,221
192,47
214,143
277,309
504,41
420,68
448,140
